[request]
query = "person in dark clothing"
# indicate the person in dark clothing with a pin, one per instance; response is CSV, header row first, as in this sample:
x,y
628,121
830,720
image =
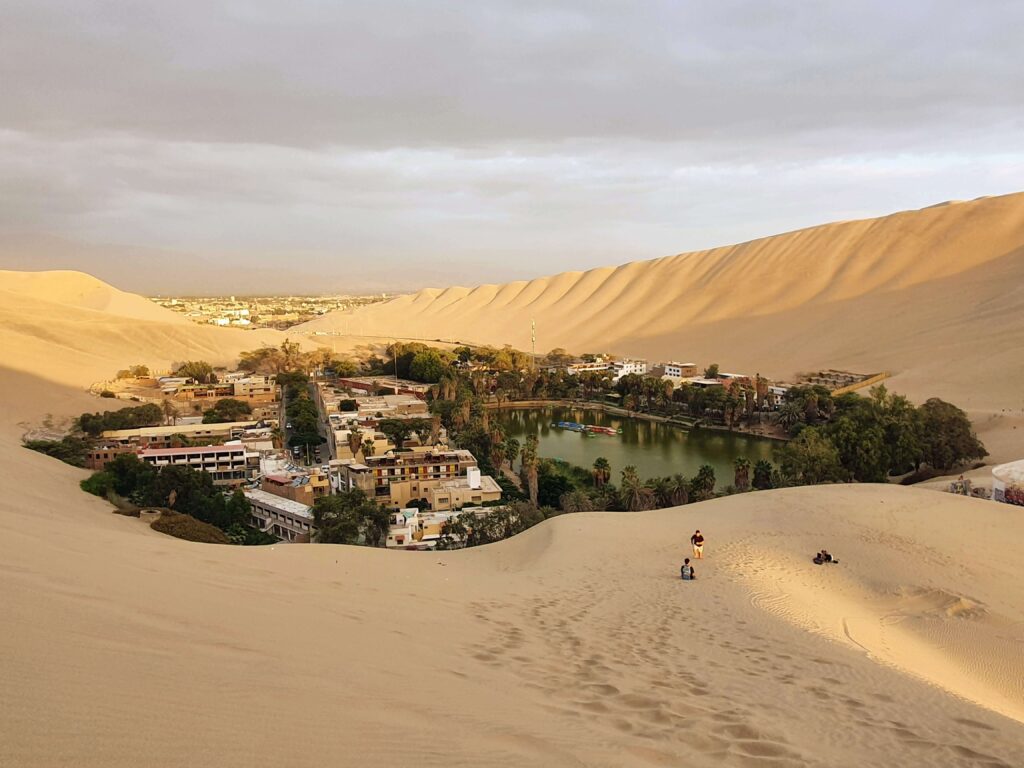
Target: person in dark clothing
x,y
697,542
687,571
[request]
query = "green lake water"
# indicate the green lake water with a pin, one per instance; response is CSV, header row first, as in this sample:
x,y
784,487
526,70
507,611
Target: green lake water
x,y
654,448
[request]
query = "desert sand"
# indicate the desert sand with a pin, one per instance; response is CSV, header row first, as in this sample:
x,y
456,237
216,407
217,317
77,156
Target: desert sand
x,y
574,644
928,295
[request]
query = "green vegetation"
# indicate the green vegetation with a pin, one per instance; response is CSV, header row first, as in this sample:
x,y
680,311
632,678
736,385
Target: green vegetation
x,y
71,449
301,411
180,489
187,527
867,439
134,372
349,517
132,417
226,410
198,370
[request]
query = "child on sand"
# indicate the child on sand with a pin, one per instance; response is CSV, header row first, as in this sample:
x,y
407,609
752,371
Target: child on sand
x,y
697,541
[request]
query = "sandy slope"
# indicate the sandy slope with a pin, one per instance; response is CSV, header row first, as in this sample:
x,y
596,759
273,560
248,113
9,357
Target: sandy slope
x,y
932,295
574,644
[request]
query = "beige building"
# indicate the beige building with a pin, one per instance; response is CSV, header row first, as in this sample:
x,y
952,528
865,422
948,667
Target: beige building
x,y
409,473
160,436
286,519
305,488
229,465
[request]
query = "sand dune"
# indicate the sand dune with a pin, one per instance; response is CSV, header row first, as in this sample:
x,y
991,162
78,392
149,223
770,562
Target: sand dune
x,y
575,644
930,295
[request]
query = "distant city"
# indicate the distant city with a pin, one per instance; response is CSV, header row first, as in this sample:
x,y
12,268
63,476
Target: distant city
x,y
279,312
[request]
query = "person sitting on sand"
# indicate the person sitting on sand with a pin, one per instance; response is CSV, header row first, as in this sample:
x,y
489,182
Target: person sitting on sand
x,y
697,541
824,557
687,571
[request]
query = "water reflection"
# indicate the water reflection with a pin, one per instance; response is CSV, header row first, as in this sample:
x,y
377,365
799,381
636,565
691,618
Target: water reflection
x,y
654,448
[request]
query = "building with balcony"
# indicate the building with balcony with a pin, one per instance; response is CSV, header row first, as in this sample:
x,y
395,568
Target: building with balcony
x,y
230,465
161,436
396,477
286,519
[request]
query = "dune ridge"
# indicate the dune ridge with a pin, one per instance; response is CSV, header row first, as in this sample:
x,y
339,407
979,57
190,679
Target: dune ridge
x,y
575,644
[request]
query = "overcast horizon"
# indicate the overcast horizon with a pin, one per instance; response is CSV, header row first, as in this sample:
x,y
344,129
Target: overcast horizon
x,y
218,148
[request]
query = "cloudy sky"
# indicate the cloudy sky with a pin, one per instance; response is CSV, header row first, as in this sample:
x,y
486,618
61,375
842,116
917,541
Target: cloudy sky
x,y
322,145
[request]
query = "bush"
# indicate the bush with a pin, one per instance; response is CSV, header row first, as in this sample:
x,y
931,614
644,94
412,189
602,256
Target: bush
x,y
100,484
70,450
107,393
187,527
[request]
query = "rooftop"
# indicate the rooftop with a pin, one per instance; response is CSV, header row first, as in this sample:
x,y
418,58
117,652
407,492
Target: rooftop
x,y
179,429
279,503
193,450
1011,473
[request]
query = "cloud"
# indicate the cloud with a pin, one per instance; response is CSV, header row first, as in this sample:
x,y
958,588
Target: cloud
x,y
493,140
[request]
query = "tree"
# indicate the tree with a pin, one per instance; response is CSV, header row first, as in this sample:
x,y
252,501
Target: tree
x,y
427,366
791,413
170,412
741,478
602,471
226,410
711,372
529,467
551,487
948,438
511,450
811,458
702,487
349,517
634,494
239,509
368,448
679,490
576,501
763,475
397,430
198,370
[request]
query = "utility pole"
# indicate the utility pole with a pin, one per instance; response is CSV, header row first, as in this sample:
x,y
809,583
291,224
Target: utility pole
x,y
396,366
533,341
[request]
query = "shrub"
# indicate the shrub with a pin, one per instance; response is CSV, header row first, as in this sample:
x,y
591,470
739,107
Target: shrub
x,y
70,450
107,393
187,527
100,484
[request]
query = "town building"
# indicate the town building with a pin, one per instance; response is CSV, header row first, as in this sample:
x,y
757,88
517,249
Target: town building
x,y
286,519
1008,483
397,477
104,452
621,368
229,465
304,487
674,370
162,436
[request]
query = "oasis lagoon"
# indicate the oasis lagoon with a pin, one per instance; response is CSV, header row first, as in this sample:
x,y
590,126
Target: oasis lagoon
x,y
656,449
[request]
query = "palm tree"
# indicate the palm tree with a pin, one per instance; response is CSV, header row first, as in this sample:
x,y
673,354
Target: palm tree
x,y
790,414
528,468
703,485
661,490
602,471
170,412
679,490
575,501
763,475
742,477
635,495
367,448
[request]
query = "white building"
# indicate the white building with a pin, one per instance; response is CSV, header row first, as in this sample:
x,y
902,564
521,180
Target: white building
x,y
622,368
1008,483
286,519
674,370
